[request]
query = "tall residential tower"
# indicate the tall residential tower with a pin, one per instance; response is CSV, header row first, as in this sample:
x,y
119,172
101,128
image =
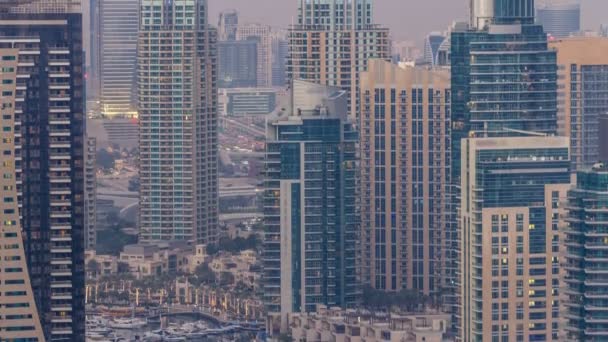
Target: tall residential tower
x,y
310,204
49,144
19,315
405,155
504,103
178,139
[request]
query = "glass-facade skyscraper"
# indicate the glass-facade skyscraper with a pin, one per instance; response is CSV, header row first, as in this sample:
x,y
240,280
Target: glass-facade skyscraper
x,y
178,137
504,103
586,241
310,204
504,76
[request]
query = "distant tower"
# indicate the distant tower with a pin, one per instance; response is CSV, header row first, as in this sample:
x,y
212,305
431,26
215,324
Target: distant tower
x,y
432,43
560,19
332,42
261,34
118,56
227,25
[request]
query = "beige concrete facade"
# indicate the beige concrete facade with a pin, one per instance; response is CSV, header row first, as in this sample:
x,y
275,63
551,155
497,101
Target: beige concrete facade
x,y
19,320
404,176
583,92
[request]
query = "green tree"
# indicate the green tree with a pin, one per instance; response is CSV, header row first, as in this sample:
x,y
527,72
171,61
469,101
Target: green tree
x,y
226,278
204,274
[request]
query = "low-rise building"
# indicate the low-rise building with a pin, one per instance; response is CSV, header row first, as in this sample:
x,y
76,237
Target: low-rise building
x,y
98,265
335,324
150,260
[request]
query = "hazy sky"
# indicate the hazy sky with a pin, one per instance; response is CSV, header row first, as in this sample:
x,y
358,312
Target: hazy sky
x,y
407,19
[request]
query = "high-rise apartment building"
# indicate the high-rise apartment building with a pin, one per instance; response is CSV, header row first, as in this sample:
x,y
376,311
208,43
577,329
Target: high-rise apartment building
x,y
117,53
331,43
309,204
177,89
262,35
18,312
583,84
510,247
90,192
504,85
405,155
586,242
560,20
49,162
237,63
227,25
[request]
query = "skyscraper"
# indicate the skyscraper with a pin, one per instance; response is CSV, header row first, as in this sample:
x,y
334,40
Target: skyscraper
x,y
405,155
49,162
227,25
560,19
586,260
262,35
432,42
178,122
309,206
583,95
280,51
331,43
237,63
20,320
510,216
504,86
118,56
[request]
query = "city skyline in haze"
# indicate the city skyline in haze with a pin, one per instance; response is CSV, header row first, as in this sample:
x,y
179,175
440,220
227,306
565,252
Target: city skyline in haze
x,y
407,19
